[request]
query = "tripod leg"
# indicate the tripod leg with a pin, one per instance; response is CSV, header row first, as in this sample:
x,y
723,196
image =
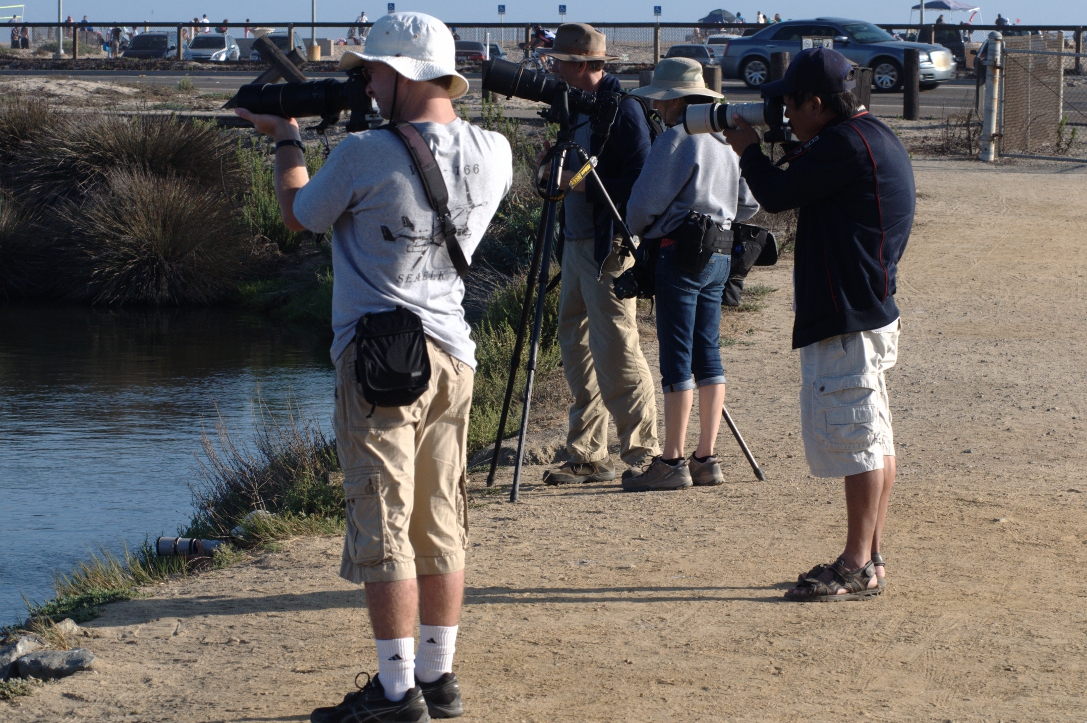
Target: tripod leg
x,y
548,218
743,445
518,347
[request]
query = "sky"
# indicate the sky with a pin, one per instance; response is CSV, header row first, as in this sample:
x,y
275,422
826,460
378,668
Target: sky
x,y
1048,12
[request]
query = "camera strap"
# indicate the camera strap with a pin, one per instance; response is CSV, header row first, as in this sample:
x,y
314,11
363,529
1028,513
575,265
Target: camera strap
x,y
434,185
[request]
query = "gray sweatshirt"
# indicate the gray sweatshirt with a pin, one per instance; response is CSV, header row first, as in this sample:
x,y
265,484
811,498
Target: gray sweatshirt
x,y
688,173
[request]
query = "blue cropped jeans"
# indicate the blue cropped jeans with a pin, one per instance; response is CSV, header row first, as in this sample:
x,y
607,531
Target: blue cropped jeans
x,y
689,321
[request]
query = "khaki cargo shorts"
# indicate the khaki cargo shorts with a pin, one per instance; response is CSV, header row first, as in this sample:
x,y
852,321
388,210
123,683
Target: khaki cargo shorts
x,y
404,474
845,414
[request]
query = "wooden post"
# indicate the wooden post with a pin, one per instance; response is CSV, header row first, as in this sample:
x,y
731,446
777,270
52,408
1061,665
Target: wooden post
x,y
779,63
179,48
75,43
290,36
656,44
528,35
645,77
863,91
911,84
711,74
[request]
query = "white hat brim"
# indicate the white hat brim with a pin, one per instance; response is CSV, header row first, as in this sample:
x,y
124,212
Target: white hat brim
x,y
410,68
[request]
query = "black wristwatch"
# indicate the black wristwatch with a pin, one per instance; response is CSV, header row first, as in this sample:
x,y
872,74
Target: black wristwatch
x,y
290,142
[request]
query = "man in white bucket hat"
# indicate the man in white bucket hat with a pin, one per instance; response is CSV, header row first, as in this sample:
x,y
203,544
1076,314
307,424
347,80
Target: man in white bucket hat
x,y
404,466
684,175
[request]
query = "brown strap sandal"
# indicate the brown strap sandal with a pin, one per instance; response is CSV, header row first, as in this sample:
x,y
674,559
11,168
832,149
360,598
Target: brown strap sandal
x,y
877,561
854,582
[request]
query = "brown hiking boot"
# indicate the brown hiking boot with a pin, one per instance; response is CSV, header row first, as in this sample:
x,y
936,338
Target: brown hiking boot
x,y
706,474
581,473
659,475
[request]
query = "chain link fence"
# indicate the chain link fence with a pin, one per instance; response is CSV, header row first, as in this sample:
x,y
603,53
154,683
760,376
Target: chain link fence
x,y
1044,103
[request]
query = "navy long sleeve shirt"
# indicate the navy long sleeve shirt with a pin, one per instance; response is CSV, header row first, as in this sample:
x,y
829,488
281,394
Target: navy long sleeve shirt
x,y
854,188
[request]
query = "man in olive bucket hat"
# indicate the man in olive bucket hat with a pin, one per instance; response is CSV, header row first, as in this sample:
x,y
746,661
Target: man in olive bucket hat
x,y
597,333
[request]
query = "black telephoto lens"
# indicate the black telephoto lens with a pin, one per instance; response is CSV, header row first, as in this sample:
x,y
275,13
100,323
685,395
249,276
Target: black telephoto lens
x,y
312,98
510,79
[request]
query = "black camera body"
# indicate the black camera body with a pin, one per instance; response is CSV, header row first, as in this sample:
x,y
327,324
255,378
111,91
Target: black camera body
x,y
325,99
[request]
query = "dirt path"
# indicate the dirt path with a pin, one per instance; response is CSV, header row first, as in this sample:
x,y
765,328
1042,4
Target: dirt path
x,y
590,605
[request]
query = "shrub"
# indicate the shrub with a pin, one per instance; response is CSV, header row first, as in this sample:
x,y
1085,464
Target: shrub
x,y
50,47
76,153
287,472
22,118
261,207
152,240
495,337
23,254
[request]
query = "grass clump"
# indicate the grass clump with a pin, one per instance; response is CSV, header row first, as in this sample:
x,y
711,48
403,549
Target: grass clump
x,y
495,336
158,240
260,206
17,687
185,84
752,298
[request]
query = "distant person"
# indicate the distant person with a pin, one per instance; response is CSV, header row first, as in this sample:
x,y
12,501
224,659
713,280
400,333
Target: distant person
x,y
206,23
454,31
114,42
14,32
247,27
777,17
940,20
740,17
222,29
760,18
1001,20
24,37
362,29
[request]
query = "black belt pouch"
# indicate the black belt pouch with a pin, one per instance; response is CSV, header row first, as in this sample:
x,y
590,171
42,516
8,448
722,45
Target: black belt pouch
x,y
392,363
697,239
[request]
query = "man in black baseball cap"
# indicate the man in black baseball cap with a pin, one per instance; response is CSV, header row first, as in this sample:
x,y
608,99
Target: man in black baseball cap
x,y
852,182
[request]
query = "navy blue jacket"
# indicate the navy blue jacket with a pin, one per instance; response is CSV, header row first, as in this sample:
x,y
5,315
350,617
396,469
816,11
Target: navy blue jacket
x,y
620,164
853,184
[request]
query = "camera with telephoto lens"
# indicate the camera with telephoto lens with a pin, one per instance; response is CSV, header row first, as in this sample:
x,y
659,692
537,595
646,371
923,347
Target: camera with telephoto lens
x,y
716,117
325,99
510,79
630,284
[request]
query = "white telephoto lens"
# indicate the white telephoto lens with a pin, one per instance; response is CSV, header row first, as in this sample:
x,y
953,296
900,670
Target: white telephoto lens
x,y
753,113
699,118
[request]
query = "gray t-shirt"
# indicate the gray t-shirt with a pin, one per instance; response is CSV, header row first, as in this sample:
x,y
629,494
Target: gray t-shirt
x,y
578,210
387,246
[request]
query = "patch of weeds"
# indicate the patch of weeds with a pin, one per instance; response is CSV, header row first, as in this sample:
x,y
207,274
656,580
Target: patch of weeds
x,y
273,547
217,96
16,687
260,207
225,556
169,106
49,632
185,84
753,298
266,530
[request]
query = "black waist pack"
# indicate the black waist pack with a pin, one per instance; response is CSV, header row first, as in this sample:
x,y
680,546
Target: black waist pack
x,y
697,239
752,246
392,363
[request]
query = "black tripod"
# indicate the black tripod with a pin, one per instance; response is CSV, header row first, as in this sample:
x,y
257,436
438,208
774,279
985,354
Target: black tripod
x,y
538,272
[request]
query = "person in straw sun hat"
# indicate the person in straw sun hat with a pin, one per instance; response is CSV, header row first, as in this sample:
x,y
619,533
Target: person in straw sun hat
x,y
598,334
685,175
403,465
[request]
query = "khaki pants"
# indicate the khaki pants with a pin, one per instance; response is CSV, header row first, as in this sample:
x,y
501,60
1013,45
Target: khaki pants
x,y
603,362
404,474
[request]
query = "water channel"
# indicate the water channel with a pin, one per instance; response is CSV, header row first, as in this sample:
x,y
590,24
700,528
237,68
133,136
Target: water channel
x,y
101,416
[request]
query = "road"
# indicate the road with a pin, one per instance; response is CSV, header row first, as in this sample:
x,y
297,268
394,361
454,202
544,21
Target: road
x,y
952,97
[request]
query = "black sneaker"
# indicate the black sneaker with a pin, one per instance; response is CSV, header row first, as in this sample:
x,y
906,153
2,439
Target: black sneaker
x,y
369,704
442,696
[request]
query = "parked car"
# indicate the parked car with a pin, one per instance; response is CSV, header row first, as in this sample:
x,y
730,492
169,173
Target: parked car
x,y
497,53
469,52
213,47
862,42
152,45
281,41
702,53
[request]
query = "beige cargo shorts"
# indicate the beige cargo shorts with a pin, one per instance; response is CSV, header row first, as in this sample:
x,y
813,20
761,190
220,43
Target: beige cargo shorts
x,y
404,474
845,414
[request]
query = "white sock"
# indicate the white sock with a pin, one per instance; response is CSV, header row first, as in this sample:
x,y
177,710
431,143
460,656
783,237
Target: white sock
x,y
436,646
395,665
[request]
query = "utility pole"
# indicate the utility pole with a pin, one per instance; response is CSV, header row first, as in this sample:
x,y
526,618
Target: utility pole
x,y
60,30
313,22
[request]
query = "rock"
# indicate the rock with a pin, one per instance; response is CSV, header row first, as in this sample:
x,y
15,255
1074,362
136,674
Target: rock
x,y
10,653
68,628
51,664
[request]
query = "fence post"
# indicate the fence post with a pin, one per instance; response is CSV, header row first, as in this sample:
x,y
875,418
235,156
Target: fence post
x,y
290,36
711,74
645,77
1079,49
656,44
911,84
779,62
75,44
528,35
990,134
863,90
179,50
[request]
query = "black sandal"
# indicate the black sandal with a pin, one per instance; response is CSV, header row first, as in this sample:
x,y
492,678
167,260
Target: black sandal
x,y
854,582
877,561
